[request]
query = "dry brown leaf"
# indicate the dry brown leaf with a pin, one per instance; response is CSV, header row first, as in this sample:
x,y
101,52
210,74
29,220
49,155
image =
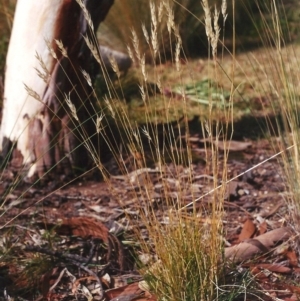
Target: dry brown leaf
x,y
292,298
128,293
293,259
259,275
258,244
262,228
276,268
248,230
87,227
130,289
246,250
84,227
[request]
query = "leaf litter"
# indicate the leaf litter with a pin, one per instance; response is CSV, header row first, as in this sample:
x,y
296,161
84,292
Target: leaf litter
x,y
84,239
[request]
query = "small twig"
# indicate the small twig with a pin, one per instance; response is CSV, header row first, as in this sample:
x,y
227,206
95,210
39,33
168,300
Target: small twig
x,y
77,260
101,294
91,253
72,257
195,178
229,204
58,280
78,197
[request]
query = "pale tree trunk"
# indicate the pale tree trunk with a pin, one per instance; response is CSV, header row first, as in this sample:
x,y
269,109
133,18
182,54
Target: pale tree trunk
x,y
43,131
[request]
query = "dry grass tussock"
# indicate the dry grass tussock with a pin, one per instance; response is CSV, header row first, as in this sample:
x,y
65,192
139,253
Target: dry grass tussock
x,y
188,252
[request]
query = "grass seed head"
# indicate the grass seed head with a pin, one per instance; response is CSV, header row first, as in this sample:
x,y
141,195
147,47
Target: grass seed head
x,y
71,106
61,48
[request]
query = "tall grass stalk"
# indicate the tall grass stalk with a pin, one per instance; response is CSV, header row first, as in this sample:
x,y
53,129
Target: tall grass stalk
x,y
188,263
117,30
280,82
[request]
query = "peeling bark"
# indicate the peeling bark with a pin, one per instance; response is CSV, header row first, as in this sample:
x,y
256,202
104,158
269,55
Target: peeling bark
x,y
44,130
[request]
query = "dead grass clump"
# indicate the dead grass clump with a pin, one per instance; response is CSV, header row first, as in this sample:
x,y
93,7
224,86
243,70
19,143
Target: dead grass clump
x,y
188,252
188,265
